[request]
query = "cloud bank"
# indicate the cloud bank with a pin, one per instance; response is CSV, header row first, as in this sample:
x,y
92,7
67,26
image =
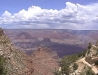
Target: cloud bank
x,y
73,16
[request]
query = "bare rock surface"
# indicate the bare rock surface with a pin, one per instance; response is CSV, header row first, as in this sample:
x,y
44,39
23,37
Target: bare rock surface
x,y
44,61
17,62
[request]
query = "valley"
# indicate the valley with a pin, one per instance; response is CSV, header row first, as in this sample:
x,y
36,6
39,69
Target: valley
x,y
62,41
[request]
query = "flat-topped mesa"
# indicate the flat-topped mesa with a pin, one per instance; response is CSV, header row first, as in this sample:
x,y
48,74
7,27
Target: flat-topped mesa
x,y
47,39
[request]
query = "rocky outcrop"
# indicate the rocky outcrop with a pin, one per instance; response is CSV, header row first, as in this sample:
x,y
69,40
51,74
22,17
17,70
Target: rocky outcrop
x,y
17,62
89,63
45,61
92,52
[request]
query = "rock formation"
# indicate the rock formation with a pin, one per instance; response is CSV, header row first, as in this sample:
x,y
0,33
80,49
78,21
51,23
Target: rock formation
x,y
17,62
88,64
45,61
42,61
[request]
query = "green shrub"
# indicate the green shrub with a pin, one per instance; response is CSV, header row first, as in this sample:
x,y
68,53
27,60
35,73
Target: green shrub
x,y
66,62
57,73
89,72
90,45
75,66
2,63
96,62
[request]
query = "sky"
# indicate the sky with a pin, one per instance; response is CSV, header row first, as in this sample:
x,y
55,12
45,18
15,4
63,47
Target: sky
x,y
49,14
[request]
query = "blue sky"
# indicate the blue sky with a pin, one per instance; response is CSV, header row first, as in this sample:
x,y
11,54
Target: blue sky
x,y
49,14
14,6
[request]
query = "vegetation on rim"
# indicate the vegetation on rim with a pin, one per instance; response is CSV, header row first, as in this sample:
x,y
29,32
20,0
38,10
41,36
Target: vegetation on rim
x,y
2,64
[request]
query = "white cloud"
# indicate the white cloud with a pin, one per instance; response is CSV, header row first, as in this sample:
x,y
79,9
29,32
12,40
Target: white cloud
x,y
73,16
6,14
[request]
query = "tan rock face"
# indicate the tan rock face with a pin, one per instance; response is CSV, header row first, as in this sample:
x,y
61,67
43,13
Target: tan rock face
x,y
44,63
17,62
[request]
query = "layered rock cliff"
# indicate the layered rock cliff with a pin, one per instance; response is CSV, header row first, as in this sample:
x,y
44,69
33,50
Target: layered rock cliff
x,y
16,62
